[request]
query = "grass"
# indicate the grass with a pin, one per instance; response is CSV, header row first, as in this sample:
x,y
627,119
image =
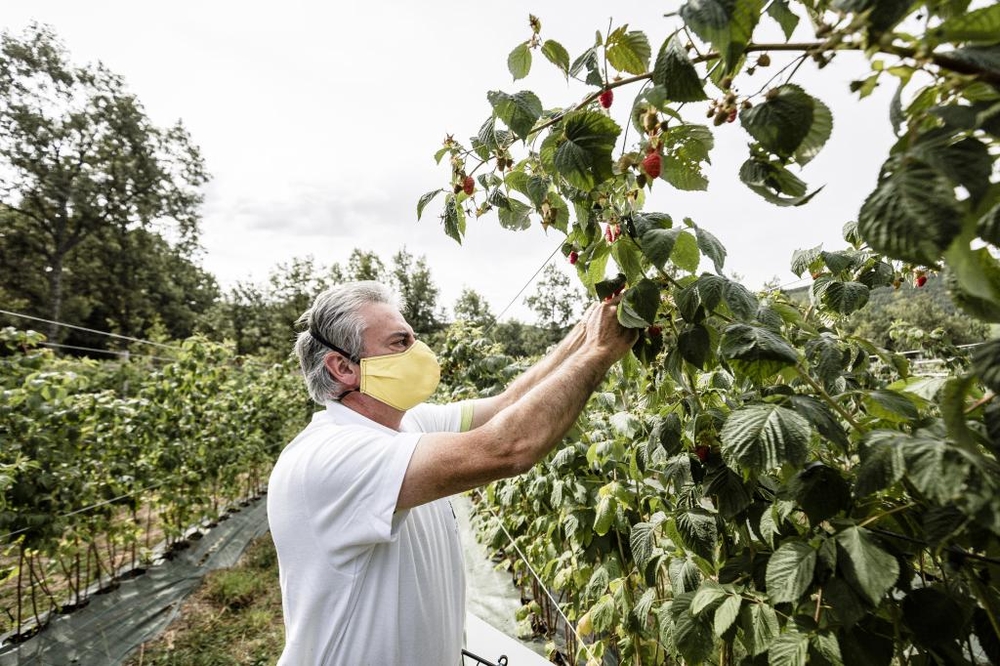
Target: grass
x,y
233,619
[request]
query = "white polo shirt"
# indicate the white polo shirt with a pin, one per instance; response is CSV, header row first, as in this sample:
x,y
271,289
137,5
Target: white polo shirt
x,y
361,584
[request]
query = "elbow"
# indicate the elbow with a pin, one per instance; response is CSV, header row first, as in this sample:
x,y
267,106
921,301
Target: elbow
x,y
514,452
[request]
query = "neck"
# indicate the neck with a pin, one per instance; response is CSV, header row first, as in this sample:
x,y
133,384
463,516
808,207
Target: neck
x,y
373,409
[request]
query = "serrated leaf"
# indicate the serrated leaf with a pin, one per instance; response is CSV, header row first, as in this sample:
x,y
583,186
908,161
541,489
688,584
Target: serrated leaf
x,y
685,253
839,296
890,406
934,617
741,303
639,305
790,572
981,25
759,626
682,174
519,61
821,492
966,162
629,259
763,437
711,248
726,614
604,516
603,613
454,218
933,469
588,60
786,18
707,596
986,363
515,216
583,152
753,343
988,226
818,135
537,189
882,463
667,434
644,606
598,583
426,199
782,123
802,260
728,492
676,74
698,530
628,51
911,215
789,649
642,541
694,345
556,54
519,111
820,416
824,650
869,570
693,635
726,24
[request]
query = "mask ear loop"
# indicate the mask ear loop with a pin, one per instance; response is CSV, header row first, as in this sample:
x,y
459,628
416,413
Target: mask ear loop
x,y
354,358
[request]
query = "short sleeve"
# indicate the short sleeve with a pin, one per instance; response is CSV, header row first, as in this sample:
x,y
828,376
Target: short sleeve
x,y
352,487
453,417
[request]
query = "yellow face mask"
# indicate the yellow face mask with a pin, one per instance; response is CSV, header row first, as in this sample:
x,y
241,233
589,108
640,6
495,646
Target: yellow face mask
x,y
402,380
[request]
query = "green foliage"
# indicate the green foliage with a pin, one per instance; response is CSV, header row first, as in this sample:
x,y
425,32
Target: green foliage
x,y
763,481
88,445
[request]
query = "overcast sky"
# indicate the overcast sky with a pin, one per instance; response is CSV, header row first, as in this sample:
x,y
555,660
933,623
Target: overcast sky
x,y
319,121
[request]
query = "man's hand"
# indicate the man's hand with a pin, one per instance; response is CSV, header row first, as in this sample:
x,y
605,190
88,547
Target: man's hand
x,y
605,333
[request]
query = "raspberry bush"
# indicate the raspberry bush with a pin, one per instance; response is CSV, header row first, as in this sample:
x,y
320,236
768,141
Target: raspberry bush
x,y
756,487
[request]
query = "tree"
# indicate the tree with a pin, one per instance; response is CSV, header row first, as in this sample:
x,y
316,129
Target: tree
x,y
754,485
365,265
472,307
555,299
80,159
416,289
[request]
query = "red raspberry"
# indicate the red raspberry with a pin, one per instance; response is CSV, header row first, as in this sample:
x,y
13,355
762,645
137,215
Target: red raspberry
x,y
921,280
654,331
606,98
652,165
469,185
573,257
702,452
732,115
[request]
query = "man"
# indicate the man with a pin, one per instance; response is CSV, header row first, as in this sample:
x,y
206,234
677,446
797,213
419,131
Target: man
x,y
368,551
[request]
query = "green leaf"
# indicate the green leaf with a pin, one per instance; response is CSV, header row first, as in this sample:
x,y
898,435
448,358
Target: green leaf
x,y
603,613
824,650
891,406
839,296
537,189
639,305
771,179
686,147
966,162
988,226
727,25
933,468
685,253
693,634
588,60
819,133
629,259
882,463
803,260
726,614
758,627
869,570
519,61
741,303
869,643
606,288
426,199
519,111
694,345
675,73
974,280
986,363
728,491
598,583
712,248
698,530
753,343
786,18
707,596
628,51
642,540
515,216
657,244
583,152
789,649
763,437
782,123
912,215
790,572
821,418
981,25
607,508
557,55
454,218
821,492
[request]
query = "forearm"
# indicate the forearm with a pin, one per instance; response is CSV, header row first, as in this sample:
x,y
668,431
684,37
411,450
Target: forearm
x,y
533,425
546,366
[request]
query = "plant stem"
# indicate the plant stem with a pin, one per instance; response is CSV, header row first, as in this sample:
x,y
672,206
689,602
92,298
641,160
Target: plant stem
x,y
828,399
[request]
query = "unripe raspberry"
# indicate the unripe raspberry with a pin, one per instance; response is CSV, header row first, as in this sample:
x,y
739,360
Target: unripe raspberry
x,y
469,185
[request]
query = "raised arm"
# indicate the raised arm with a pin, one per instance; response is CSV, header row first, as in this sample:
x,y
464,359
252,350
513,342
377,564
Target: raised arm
x,y
522,432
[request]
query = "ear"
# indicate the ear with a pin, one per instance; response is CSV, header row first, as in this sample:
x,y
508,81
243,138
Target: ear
x,y
341,368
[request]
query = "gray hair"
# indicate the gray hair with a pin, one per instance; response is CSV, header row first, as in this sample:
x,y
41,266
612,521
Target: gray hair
x,y
335,316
